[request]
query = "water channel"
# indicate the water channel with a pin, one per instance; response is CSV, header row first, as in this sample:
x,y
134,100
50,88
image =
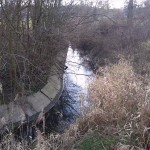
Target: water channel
x,y
74,96
76,80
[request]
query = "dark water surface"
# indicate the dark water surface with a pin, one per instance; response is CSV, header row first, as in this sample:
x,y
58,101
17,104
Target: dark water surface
x,y
74,97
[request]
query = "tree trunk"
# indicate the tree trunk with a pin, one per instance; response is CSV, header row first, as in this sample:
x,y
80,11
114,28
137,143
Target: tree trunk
x,y
130,13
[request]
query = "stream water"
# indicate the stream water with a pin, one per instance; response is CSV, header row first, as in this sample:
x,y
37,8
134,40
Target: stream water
x,y
73,98
78,75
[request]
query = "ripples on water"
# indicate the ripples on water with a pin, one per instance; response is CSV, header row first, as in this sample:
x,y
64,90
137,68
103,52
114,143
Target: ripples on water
x,y
74,96
77,73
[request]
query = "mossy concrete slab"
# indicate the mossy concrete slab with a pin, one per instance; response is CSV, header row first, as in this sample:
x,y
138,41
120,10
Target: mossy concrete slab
x,y
38,101
30,107
16,113
11,113
52,88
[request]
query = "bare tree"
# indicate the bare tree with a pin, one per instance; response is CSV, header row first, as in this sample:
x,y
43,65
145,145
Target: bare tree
x,y
31,34
130,13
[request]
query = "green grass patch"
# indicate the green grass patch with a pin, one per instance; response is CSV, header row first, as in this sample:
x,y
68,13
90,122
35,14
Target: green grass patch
x,y
95,141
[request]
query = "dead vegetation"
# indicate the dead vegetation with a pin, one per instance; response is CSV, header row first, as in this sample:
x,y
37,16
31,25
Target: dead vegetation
x,y
119,111
119,94
31,36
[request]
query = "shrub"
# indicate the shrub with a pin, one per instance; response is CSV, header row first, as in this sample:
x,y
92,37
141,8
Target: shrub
x,y
117,97
118,92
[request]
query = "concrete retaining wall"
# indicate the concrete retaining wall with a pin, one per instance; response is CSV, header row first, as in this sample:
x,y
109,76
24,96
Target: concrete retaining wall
x,y
29,108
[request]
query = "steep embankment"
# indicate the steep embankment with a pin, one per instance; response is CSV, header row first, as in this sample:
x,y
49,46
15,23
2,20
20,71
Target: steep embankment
x,y
28,108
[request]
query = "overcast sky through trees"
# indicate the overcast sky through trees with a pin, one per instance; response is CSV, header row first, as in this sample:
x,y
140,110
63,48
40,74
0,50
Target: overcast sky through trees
x,y
113,3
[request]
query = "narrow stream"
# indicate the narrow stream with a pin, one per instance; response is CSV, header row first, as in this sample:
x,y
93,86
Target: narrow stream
x,y
73,98
78,74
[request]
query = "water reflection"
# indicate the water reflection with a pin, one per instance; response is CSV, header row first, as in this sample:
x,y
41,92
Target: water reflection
x,y
74,96
65,112
78,74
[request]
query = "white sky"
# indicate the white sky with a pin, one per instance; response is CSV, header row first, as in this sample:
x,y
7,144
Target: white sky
x,y
120,3
115,3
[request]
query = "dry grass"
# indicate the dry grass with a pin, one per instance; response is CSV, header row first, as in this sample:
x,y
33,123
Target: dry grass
x,y
51,142
120,105
118,92
119,108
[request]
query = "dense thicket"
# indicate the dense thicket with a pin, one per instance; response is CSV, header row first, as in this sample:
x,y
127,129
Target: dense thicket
x,y
103,34
30,38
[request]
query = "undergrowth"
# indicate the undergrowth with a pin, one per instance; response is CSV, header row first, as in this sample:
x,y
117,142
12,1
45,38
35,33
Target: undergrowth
x,y
118,114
